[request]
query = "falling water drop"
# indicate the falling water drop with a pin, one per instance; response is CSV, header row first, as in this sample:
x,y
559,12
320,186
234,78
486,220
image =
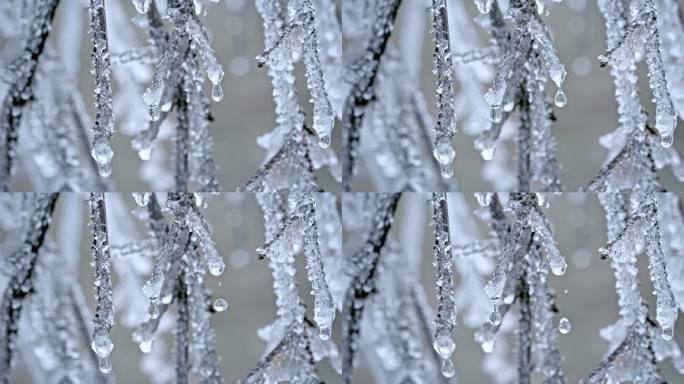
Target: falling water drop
x,y
448,368
220,305
564,326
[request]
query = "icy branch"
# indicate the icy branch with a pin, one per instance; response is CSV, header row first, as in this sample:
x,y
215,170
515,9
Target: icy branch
x,y
20,93
21,283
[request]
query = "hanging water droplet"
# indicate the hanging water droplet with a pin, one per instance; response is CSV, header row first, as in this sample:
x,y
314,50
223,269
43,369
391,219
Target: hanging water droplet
x,y
145,153
560,100
666,140
495,317
102,344
564,326
220,305
154,113
444,344
324,333
216,266
446,170
667,333
448,368
153,310
145,346
508,107
261,61
443,152
488,346
216,92
324,140
603,60
488,153
105,364
495,114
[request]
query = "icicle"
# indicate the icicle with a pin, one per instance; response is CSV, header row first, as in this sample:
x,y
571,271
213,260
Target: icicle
x,y
104,312
324,309
104,119
443,67
446,312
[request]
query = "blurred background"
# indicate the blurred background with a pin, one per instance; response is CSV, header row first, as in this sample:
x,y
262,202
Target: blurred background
x,y
585,294
246,112
578,31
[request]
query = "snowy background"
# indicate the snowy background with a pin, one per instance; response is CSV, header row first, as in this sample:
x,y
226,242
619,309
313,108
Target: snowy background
x,y
585,294
578,33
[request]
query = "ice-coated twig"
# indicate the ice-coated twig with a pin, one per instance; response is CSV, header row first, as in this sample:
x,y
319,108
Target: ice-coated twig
x,y
363,281
104,311
294,151
290,228
21,284
301,29
443,66
633,225
520,276
632,34
361,95
445,321
104,117
20,93
519,84
179,277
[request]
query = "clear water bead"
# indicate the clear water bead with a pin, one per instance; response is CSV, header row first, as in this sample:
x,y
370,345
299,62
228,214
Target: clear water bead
x,y
495,114
154,113
216,92
324,140
560,99
220,305
105,364
102,345
448,368
444,344
564,326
